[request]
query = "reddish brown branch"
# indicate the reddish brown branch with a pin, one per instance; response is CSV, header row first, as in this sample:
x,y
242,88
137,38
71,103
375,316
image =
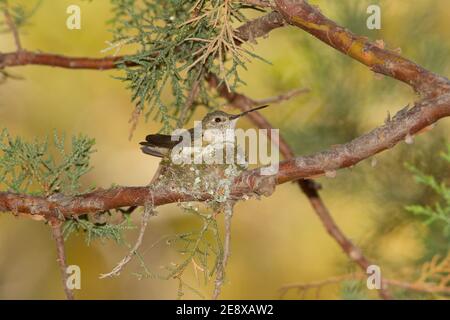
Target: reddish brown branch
x,y
420,116
404,124
249,31
350,249
299,13
22,58
434,88
260,26
310,19
309,187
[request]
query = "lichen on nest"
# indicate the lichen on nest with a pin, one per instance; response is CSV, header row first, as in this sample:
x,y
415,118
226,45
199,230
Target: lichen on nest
x,y
197,179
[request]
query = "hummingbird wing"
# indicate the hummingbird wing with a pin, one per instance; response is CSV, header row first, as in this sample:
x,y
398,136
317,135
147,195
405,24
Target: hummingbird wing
x,y
162,140
159,145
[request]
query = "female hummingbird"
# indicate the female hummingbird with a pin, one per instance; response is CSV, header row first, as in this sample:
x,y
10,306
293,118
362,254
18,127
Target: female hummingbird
x,y
214,127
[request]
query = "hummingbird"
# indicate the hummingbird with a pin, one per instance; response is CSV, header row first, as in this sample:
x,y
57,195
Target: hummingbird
x,y
214,125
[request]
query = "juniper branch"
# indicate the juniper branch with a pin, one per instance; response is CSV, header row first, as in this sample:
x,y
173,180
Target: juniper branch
x,y
309,187
433,88
248,31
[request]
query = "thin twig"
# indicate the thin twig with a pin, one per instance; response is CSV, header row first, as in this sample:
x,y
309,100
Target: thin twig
x,y
249,31
352,251
193,93
435,88
57,233
414,286
220,276
12,27
301,287
380,60
258,3
283,97
422,115
148,212
24,57
309,187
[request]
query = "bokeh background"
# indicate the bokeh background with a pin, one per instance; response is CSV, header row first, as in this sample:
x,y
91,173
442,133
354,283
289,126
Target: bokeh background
x,y
276,240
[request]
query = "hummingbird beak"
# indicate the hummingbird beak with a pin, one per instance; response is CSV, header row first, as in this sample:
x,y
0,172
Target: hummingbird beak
x,y
236,116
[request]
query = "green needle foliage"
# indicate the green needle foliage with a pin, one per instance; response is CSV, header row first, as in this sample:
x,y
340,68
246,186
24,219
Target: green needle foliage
x,y
19,13
47,168
94,231
353,290
201,250
179,42
197,248
44,167
439,212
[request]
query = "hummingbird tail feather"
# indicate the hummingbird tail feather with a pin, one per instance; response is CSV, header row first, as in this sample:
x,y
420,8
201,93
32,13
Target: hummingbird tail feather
x,y
148,149
159,145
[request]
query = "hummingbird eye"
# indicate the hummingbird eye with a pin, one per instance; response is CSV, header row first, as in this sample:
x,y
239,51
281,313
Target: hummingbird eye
x,y
217,119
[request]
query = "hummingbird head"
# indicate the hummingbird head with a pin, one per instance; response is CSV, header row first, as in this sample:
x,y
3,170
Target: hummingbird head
x,y
222,120
218,120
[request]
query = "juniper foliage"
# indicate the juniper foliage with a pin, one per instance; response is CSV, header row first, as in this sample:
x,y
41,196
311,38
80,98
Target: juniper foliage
x,y
20,13
178,42
97,231
44,167
201,249
439,212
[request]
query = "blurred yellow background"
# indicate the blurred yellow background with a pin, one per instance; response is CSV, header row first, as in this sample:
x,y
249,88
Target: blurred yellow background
x,y
276,240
